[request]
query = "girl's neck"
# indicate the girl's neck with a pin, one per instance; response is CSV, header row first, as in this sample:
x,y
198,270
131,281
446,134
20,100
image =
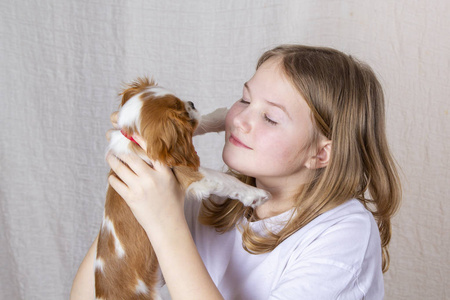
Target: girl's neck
x,y
283,199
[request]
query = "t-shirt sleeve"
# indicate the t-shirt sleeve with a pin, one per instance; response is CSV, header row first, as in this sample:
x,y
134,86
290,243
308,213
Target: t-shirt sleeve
x,y
343,262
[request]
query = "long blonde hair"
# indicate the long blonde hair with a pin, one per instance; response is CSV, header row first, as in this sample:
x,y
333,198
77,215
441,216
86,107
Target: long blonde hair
x,y
347,105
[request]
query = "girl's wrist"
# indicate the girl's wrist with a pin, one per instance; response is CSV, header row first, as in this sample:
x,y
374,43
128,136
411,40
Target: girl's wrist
x,y
166,223
182,267
167,235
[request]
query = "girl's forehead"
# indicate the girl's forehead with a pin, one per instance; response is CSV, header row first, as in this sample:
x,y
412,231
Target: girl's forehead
x,y
269,76
271,83
272,65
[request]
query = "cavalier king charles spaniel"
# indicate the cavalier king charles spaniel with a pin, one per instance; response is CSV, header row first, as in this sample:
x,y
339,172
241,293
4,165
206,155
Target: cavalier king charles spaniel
x,y
126,266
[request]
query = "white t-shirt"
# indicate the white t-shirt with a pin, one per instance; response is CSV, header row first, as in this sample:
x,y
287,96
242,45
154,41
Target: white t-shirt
x,y
335,256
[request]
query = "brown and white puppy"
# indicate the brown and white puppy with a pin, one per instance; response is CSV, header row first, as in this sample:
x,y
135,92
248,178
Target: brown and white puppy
x,y
126,266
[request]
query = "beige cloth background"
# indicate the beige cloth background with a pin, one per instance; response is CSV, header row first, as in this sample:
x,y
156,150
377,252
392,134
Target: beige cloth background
x,y
62,65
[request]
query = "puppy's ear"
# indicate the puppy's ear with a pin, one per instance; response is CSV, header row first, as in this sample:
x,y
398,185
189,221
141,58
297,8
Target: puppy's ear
x,y
136,87
171,141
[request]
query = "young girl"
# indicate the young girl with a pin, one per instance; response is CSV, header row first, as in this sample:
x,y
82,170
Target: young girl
x,y
310,130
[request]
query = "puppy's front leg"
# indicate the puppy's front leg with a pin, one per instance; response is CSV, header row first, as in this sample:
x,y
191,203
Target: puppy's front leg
x,y
226,186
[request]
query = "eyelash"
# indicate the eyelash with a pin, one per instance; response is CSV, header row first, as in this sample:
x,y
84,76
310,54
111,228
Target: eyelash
x,y
271,122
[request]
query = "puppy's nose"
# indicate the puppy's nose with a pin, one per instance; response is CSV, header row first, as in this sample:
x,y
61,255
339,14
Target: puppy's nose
x,y
191,104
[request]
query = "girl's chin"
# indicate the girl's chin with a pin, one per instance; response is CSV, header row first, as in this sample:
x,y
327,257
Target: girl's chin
x,y
238,168
238,162
232,164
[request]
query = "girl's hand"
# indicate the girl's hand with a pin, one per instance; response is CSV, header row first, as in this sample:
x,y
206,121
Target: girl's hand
x,y
152,193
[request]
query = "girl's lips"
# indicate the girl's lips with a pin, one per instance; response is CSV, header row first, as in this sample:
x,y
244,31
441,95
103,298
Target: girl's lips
x,y
235,141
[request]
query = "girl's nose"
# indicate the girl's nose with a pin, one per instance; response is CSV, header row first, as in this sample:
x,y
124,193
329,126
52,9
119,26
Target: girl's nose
x,y
242,121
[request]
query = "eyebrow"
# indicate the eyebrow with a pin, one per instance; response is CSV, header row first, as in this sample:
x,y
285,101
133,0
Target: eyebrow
x,y
272,103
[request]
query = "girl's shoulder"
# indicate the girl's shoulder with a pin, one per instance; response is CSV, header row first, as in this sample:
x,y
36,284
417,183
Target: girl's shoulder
x,y
349,230
350,216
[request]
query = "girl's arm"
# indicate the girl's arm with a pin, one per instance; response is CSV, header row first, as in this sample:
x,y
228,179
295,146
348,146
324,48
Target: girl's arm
x,y
157,202
83,284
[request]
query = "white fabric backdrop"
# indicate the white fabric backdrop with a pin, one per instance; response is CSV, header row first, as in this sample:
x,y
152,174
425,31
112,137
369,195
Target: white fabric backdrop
x,y
62,65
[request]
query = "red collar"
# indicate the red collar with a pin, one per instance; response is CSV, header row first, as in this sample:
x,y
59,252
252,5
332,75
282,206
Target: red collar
x,y
128,137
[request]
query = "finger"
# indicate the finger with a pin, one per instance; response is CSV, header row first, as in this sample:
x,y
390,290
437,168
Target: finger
x,y
160,167
141,142
114,119
135,163
121,169
108,134
140,166
120,187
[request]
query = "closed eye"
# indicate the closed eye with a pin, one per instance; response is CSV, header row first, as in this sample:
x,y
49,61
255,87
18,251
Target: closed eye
x,y
267,119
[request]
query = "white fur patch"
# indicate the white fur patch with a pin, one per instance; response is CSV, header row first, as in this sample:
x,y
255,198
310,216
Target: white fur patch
x,y
118,143
108,225
130,113
159,91
99,263
141,287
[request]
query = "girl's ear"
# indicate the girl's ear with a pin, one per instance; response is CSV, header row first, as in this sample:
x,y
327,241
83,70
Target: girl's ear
x,y
322,158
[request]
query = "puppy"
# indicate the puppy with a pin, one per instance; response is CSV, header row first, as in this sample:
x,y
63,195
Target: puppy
x,y
126,266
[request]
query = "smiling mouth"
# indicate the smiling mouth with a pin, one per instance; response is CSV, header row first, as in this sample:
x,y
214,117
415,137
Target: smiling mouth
x,y
238,143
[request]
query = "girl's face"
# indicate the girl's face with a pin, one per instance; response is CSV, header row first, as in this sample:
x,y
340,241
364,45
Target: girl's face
x,y
269,131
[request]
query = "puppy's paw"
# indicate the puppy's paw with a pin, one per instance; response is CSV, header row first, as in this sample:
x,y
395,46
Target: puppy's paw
x,y
201,190
251,196
226,186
